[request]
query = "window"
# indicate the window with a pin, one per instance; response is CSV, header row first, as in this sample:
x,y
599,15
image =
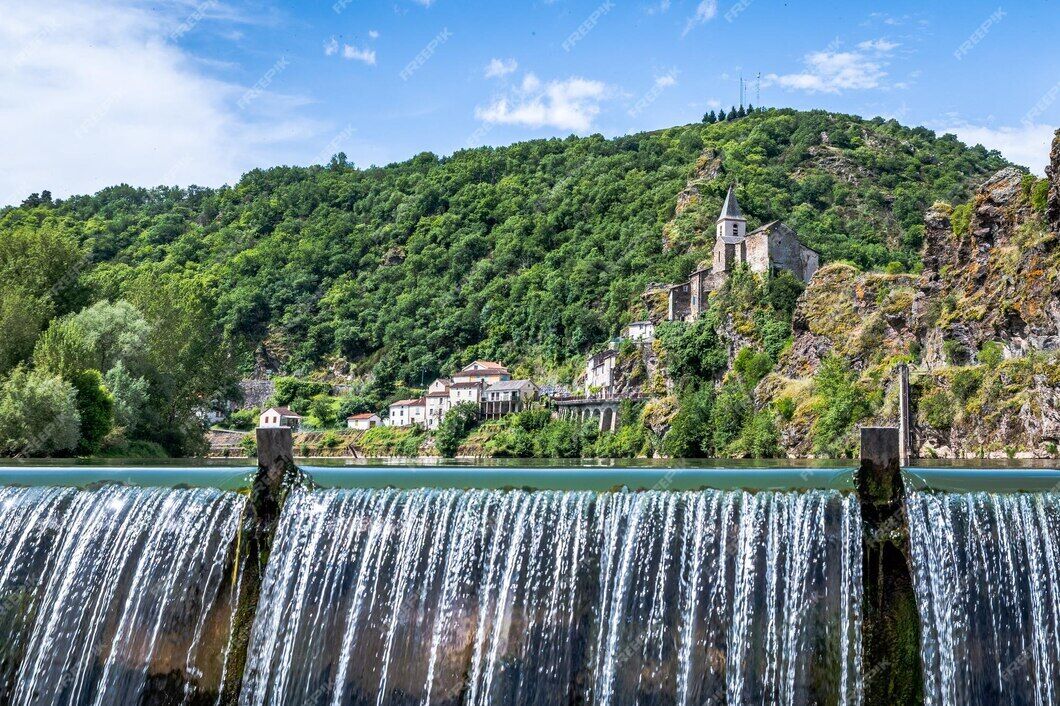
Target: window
x,y
735,228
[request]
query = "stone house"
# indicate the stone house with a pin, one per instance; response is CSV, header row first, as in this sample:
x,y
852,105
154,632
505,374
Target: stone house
x,y
641,331
767,250
600,371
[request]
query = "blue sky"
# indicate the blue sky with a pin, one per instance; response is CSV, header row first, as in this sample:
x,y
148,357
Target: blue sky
x,y
199,91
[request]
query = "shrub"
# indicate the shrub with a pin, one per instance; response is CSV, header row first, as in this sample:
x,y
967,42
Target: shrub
x,y
840,405
965,382
691,431
991,353
938,410
457,424
961,219
96,408
752,366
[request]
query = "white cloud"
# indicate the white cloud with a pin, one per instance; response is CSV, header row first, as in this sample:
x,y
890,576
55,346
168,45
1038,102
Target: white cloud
x,y
1027,145
96,93
833,71
666,80
498,68
571,104
357,54
331,47
881,45
373,33
705,12
658,8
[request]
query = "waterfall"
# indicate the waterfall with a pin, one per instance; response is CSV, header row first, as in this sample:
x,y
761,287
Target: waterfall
x,y
128,593
519,598
986,577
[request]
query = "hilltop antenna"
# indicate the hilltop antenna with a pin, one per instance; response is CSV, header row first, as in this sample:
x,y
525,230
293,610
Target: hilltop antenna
x,y
741,89
758,89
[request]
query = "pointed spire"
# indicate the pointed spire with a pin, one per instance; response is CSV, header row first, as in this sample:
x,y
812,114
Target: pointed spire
x,y
731,209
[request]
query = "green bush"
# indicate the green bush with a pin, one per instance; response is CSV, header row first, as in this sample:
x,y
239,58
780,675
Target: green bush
x,y
752,366
96,408
965,383
456,425
991,353
840,405
938,410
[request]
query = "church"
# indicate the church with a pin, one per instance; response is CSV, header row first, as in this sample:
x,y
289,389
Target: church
x,y
766,250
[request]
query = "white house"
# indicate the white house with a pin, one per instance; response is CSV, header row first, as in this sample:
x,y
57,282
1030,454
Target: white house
x,y
438,404
405,413
484,371
363,421
510,391
460,392
280,417
641,331
600,371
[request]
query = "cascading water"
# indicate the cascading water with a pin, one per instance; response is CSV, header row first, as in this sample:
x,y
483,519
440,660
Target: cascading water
x,y
988,590
129,593
490,597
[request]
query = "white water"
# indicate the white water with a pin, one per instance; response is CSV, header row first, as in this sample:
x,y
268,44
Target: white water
x,y
483,597
986,574
127,585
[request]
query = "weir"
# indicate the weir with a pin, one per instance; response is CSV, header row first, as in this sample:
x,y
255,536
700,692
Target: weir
x,y
528,589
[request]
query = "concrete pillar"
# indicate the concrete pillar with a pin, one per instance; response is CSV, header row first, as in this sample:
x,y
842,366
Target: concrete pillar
x,y
891,628
905,436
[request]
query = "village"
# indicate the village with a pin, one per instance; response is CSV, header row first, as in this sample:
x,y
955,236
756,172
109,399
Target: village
x,y
489,387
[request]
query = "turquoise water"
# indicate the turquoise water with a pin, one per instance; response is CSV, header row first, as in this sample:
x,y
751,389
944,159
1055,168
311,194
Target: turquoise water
x,y
462,477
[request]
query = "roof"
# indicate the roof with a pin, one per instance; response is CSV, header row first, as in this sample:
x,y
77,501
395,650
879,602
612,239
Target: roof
x,y
417,402
487,364
639,323
773,225
283,412
731,208
362,415
440,393
509,385
464,385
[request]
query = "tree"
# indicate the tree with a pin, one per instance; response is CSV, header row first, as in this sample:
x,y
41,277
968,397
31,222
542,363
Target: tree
x,y
22,317
38,414
456,425
741,112
130,395
710,117
691,431
114,333
322,407
96,409
62,350
732,114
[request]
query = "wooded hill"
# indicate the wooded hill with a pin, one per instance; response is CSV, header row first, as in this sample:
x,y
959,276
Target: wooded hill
x,y
532,254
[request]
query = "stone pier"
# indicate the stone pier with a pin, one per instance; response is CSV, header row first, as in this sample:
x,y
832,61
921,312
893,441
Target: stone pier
x,y
604,411
891,629
276,475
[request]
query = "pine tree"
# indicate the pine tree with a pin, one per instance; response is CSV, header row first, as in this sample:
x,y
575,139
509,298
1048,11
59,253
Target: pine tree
x,y
710,117
732,114
742,112
750,109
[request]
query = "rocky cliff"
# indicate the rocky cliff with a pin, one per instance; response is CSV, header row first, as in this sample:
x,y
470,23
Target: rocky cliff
x,y
980,326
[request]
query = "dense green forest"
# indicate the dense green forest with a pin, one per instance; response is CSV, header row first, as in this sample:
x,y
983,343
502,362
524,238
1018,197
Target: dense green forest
x,y
142,305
